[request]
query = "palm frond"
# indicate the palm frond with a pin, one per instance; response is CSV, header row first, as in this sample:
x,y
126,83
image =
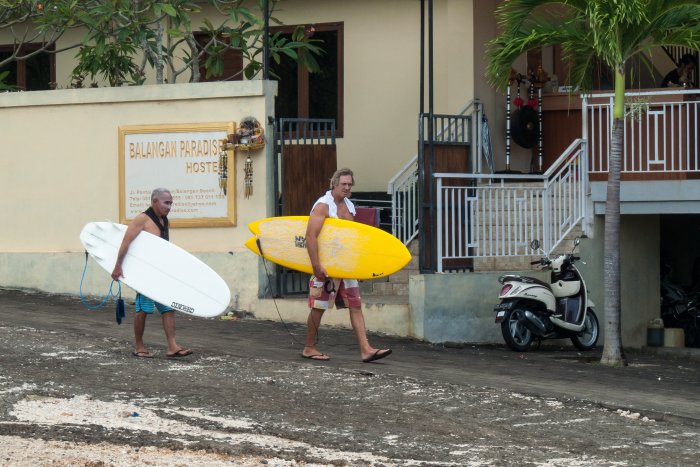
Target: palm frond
x,y
590,32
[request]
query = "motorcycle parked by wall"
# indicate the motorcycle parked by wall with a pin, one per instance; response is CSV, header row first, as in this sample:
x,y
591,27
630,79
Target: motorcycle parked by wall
x,y
680,309
532,309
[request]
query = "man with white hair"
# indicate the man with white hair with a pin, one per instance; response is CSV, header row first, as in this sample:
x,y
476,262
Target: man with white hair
x,y
154,220
323,290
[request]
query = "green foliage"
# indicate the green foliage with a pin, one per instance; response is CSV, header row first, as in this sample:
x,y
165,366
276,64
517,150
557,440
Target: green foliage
x,y
122,37
112,61
612,31
4,87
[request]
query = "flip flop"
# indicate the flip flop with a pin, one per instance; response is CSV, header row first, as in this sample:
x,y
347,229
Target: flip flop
x,y
179,353
142,354
377,356
318,357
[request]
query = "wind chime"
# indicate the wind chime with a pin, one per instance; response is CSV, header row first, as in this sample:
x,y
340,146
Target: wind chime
x,y
248,176
226,146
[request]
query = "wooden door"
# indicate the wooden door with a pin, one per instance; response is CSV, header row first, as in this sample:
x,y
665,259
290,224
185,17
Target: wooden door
x,y
306,173
448,158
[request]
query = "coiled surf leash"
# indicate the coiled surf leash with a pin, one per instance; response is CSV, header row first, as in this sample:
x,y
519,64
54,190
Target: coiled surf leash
x,y
120,308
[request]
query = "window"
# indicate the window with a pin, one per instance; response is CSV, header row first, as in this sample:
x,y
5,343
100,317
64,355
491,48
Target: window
x,y
36,73
233,63
312,95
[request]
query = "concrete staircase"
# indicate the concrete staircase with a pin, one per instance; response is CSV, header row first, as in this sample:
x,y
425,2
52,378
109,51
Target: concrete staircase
x,y
522,263
394,289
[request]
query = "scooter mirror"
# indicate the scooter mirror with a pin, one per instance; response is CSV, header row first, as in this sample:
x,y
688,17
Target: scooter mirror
x,y
535,245
577,240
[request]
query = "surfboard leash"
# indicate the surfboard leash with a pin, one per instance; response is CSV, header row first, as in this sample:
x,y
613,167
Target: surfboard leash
x,y
269,284
120,308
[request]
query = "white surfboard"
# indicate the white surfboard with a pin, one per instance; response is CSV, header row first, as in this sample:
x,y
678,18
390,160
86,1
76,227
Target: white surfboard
x,y
159,269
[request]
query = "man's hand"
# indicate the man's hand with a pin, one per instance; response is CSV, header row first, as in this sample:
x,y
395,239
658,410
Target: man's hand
x,y
320,273
132,231
117,273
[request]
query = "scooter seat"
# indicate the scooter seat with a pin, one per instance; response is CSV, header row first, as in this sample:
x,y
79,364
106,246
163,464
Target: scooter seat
x,y
525,280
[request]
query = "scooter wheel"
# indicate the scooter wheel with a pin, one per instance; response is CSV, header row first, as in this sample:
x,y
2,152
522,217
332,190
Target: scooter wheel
x,y
588,337
517,336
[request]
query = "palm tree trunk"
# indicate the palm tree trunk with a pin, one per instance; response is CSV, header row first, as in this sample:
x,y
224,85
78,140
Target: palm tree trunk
x,y
612,347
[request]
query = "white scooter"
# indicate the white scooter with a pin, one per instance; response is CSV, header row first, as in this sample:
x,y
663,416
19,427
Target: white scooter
x,y
533,309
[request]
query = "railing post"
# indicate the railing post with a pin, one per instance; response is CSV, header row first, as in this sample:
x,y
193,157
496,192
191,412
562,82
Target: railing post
x,y
584,180
438,217
584,121
477,138
546,218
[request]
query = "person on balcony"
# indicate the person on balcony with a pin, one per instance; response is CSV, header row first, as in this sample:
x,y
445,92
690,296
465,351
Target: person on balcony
x,y
680,76
323,290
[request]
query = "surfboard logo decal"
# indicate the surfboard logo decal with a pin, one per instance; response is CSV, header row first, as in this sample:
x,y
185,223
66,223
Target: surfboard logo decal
x,y
183,308
300,241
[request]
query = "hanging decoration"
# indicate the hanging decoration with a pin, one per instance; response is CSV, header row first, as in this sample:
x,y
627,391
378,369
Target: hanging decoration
x,y
248,171
250,136
226,146
524,118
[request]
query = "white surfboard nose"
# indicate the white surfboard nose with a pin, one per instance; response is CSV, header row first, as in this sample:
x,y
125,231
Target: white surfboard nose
x,y
88,244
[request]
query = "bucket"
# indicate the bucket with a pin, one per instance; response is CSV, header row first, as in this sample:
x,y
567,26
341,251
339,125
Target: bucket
x,y
655,333
674,337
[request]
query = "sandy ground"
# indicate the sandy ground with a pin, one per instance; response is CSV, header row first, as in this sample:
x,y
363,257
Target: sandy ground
x,y
72,394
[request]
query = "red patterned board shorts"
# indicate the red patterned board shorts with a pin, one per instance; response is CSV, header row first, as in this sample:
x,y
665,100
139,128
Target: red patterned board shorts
x,y
344,292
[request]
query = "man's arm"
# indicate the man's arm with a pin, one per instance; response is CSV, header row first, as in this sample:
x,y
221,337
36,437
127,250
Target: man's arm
x,y
313,230
132,231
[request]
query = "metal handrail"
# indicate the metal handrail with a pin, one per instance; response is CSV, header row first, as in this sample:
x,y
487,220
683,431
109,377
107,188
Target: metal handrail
x,y
494,219
403,186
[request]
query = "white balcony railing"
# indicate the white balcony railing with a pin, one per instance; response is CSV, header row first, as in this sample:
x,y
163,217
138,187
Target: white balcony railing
x,y
477,218
660,132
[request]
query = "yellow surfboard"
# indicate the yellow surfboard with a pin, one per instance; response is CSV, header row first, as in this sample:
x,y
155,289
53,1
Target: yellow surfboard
x,y
347,249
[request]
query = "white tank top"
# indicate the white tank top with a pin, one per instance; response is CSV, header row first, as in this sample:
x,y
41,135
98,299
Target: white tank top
x,y
332,208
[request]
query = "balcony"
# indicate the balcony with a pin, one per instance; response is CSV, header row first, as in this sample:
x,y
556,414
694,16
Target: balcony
x,y
661,160
480,217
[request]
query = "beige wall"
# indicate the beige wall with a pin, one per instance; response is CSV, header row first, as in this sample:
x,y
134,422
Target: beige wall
x,y
639,251
381,74
60,159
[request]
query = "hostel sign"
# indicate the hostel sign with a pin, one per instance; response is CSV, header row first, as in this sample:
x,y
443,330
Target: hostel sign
x,y
183,158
